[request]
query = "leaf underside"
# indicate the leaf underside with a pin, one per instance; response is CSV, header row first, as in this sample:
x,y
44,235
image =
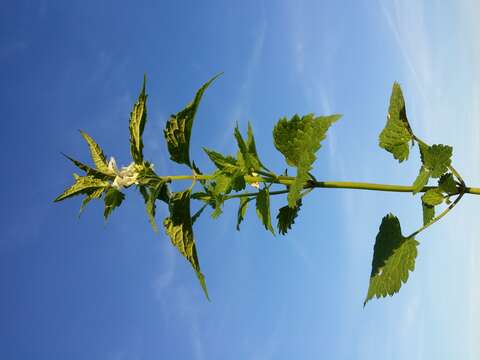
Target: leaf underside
x,y
138,119
393,258
286,217
178,227
179,128
263,209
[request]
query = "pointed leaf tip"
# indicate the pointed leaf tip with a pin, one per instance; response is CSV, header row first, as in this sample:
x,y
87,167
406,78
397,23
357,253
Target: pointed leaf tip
x,y
178,129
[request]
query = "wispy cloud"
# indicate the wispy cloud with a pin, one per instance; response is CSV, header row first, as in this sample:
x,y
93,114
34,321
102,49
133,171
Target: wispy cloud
x,y
435,104
243,101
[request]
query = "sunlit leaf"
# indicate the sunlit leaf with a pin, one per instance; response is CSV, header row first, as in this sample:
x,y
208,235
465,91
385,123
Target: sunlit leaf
x,y
88,170
298,139
178,227
421,180
433,197
83,185
396,135
96,153
428,213
113,199
179,128
436,159
393,258
138,118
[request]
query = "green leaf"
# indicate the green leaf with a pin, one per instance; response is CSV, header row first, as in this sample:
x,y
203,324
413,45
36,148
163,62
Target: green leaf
x,y
83,185
155,192
436,159
286,217
178,227
428,213
227,164
397,134
93,194
263,209
224,183
247,156
421,180
88,170
148,177
138,118
179,128
97,154
433,197
113,199
447,184
242,210
393,257
298,140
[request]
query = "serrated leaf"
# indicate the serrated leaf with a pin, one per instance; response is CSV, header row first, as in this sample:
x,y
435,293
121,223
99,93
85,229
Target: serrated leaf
x,y
179,128
151,195
138,118
82,185
447,184
396,135
421,180
225,163
393,258
433,197
113,199
224,183
88,170
242,210
436,158
93,194
178,227
298,140
263,209
428,213
286,217
247,156
96,153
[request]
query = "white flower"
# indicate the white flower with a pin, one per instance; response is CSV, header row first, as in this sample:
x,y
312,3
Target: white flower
x,y
112,165
125,177
255,184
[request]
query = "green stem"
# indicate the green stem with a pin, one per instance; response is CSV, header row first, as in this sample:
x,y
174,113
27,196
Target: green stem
x,y
288,180
442,214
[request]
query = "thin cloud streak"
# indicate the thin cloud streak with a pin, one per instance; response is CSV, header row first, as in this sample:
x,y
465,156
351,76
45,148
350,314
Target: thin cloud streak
x,y
243,101
406,21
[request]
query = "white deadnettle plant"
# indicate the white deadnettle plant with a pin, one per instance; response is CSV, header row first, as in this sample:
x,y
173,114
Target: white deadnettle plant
x,y
298,139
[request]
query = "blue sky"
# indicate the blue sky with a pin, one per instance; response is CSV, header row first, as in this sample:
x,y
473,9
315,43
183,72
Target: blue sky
x,y
85,289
